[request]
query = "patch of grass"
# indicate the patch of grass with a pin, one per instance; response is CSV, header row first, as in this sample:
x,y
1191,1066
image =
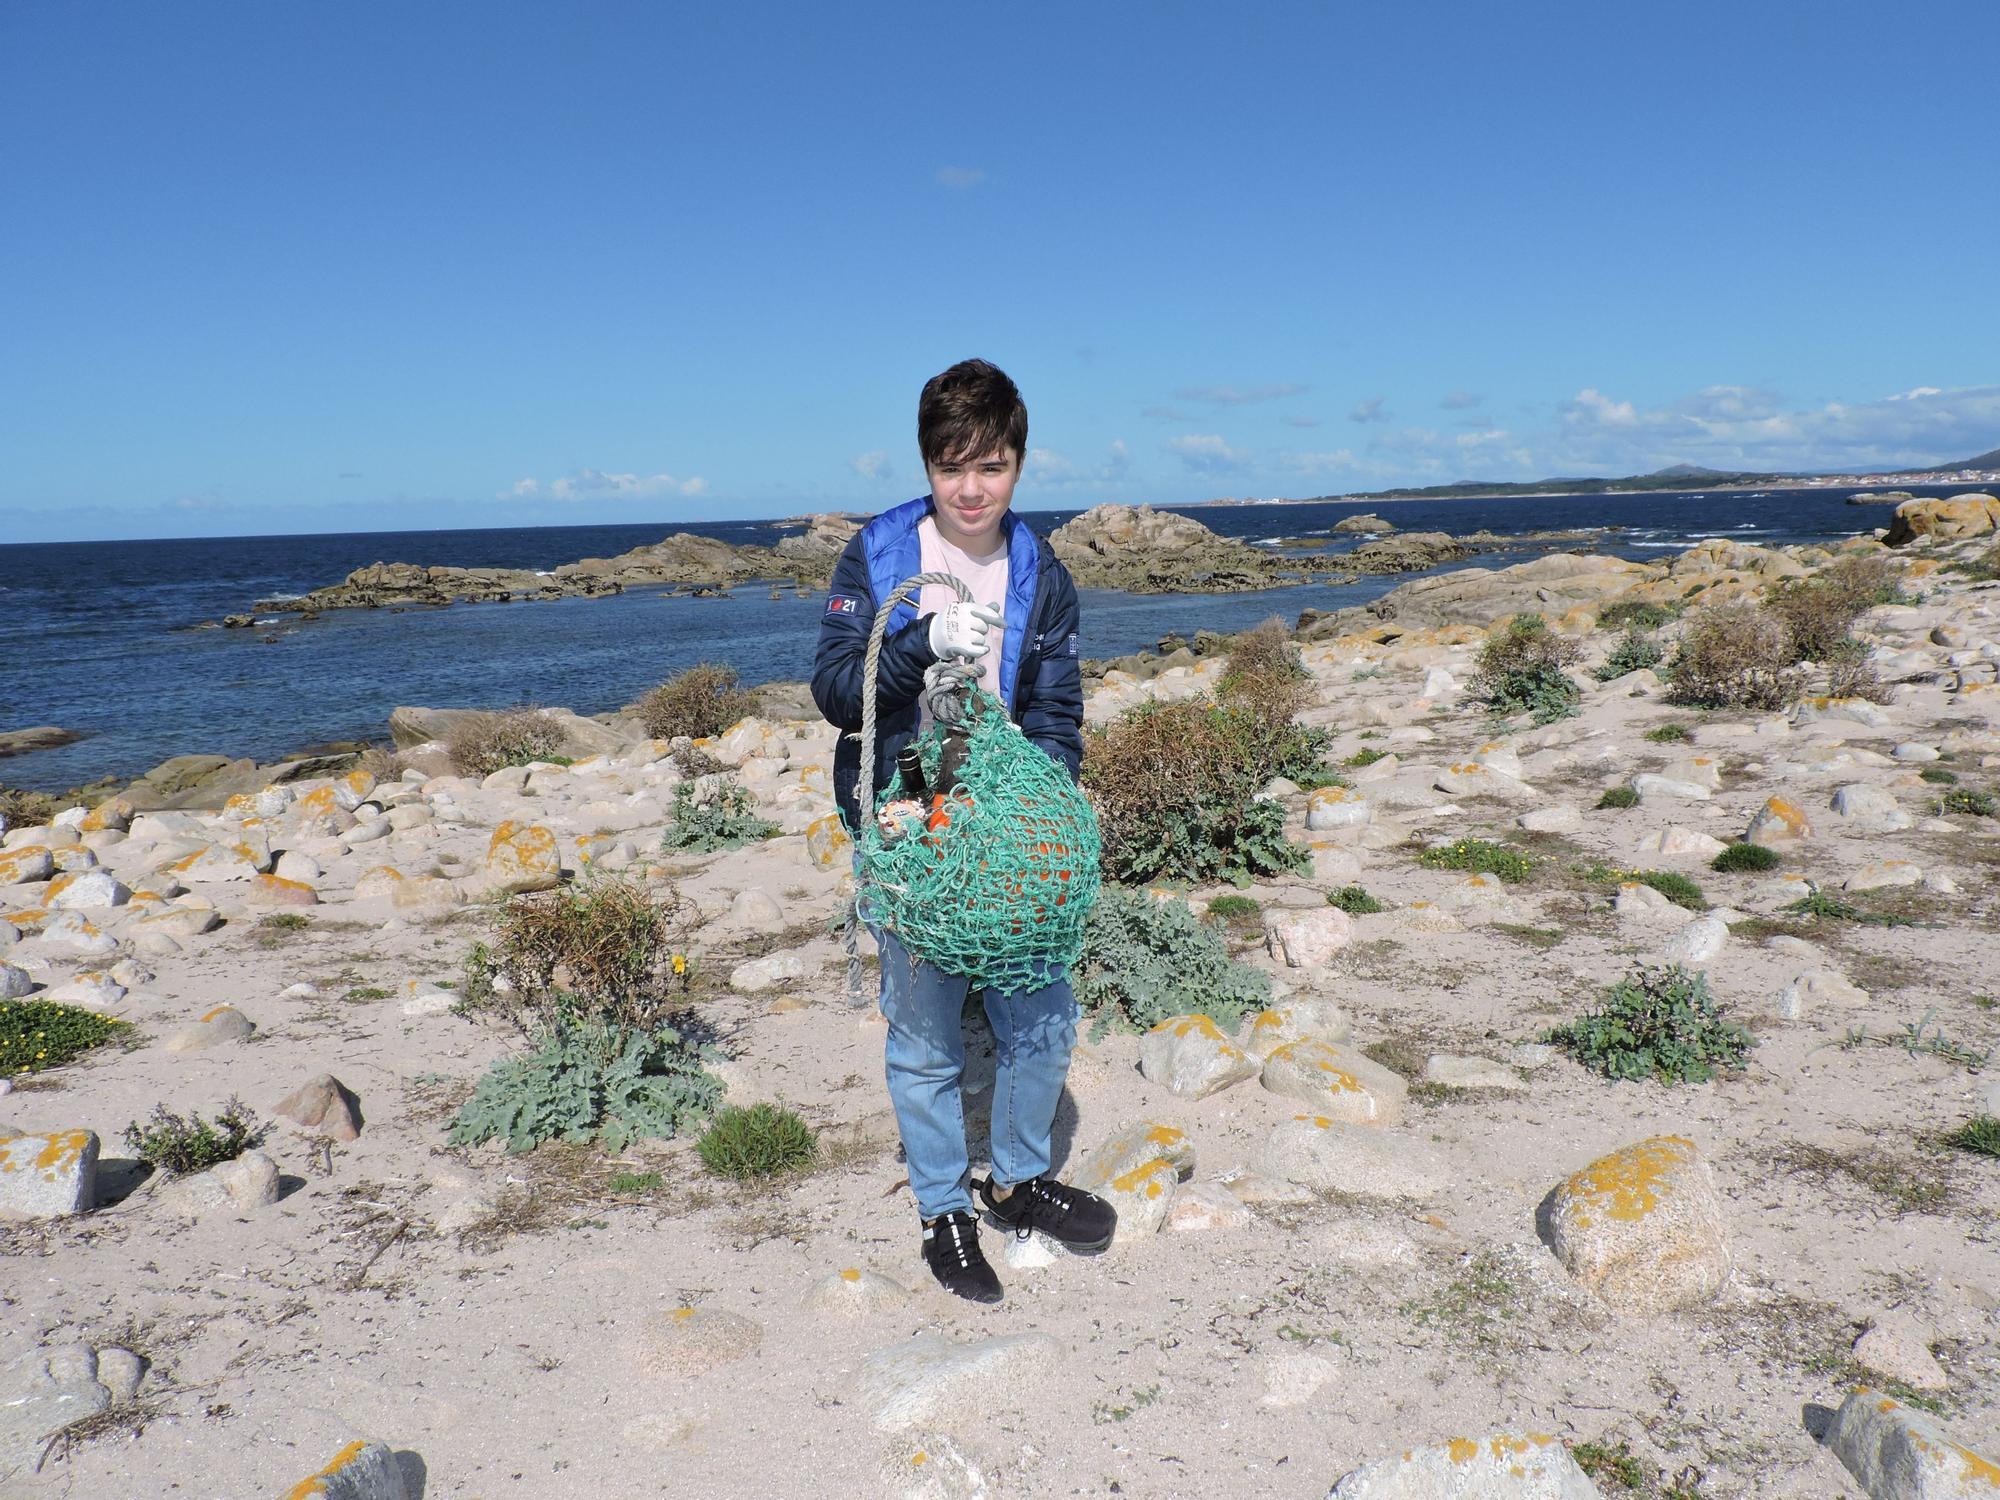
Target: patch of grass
x,y
365,992
1236,911
1106,1411
285,921
1609,1464
1656,1023
629,1184
1619,796
1740,857
36,1035
1823,907
1636,612
1909,1184
1404,1055
1365,756
1353,900
1634,650
761,1141
1534,937
1966,800
1979,1135
20,808
1480,856
182,1144
1670,734
1471,1306
1939,775
1923,1036
1676,887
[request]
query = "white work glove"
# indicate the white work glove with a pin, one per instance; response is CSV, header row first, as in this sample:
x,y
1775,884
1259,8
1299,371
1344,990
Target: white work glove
x,y
960,630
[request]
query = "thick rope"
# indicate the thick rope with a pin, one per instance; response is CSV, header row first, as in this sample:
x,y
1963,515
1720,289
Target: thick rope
x,y
947,685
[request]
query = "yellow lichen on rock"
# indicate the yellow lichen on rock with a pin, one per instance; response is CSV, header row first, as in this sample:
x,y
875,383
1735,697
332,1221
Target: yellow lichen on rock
x,y
827,841
1642,1227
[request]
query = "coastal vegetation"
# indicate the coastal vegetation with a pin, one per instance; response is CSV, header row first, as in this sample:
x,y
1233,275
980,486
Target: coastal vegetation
x,y
1524,669
701,701
1146,961
482,743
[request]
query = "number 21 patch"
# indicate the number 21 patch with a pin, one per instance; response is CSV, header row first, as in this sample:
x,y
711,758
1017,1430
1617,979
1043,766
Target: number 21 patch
x,y
842,604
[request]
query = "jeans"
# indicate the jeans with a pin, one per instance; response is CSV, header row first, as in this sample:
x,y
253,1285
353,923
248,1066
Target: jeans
x,y
924,1058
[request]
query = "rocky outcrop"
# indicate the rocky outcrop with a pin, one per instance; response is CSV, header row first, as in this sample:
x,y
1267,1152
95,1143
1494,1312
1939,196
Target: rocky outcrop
x,y
1143,551
1478,596
1409,552
1369,522
683,558
39,737
1972,514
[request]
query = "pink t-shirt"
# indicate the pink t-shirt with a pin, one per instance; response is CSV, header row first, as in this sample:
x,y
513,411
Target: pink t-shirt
x,y
985,576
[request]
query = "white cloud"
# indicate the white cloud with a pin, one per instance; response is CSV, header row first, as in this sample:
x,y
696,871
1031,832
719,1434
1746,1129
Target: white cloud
x,y
1236,395
592,484
960,178
1206,453
873,465
1053,470
1745,427
1369,410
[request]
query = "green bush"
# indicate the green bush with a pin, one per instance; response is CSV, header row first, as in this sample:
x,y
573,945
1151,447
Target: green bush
x,y
1676,888
1619,796
1939,775
1818,905
1146,961
586,1080
1634,650
727,820
1981,1134
1670,734
481,743
1235,910
1735,656
1175,786
1480,856
39,1034
704,700
1656,1023
1965,800
1636,614
1367,755
1353,900
1265,676
1521,670
1742,857
606,949
182,1144
765,1140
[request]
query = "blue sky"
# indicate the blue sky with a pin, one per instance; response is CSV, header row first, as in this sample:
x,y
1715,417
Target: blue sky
x,y
361,266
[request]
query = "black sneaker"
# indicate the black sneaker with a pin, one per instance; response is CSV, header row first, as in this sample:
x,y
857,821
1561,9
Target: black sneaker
x,y
951,1250
1081,1221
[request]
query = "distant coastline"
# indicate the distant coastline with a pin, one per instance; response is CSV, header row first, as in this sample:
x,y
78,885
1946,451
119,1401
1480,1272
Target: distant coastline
x,y
1404,497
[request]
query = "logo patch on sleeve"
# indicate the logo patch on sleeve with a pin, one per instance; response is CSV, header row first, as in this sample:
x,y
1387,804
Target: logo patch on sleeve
x,y
843,604
1070,648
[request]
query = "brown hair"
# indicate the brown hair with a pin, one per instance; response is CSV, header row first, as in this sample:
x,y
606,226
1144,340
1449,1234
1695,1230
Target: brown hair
x,y
969,411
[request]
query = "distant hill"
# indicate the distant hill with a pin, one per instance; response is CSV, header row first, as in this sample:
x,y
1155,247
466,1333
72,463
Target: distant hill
x,y
1674,477
1984,461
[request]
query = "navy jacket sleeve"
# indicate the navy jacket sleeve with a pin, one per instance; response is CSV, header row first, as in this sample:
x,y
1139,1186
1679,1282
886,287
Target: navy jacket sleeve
x,y
1052,708
843,648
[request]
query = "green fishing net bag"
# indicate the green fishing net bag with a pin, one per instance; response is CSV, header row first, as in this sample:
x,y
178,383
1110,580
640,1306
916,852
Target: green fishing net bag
x,y
996,880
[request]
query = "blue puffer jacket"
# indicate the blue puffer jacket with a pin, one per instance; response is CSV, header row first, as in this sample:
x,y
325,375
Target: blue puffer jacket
x,y
1039,676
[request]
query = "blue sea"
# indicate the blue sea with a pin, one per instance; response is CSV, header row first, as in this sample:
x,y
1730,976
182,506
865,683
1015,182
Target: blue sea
x,y
117,640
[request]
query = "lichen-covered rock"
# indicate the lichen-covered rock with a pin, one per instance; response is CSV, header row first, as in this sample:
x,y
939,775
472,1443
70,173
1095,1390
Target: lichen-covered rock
x,y
48,1176
1336,1082
1138,1171
87,890
1505,1466
1452,1071
1331,807
1897,1453
522,857
1307,939
1471,779
1971,514
1885,875
274,892
852,1292
225,1023
1294,1021
28,863
360,1471
241,859
1778,821
1329,1156
1642,1227
827,843
1190,1057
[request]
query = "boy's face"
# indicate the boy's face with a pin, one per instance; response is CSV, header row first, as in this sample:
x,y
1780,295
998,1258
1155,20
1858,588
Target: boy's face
x,y
972,494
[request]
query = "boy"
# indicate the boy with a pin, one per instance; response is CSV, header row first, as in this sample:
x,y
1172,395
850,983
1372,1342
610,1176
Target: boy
x,y
972,430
